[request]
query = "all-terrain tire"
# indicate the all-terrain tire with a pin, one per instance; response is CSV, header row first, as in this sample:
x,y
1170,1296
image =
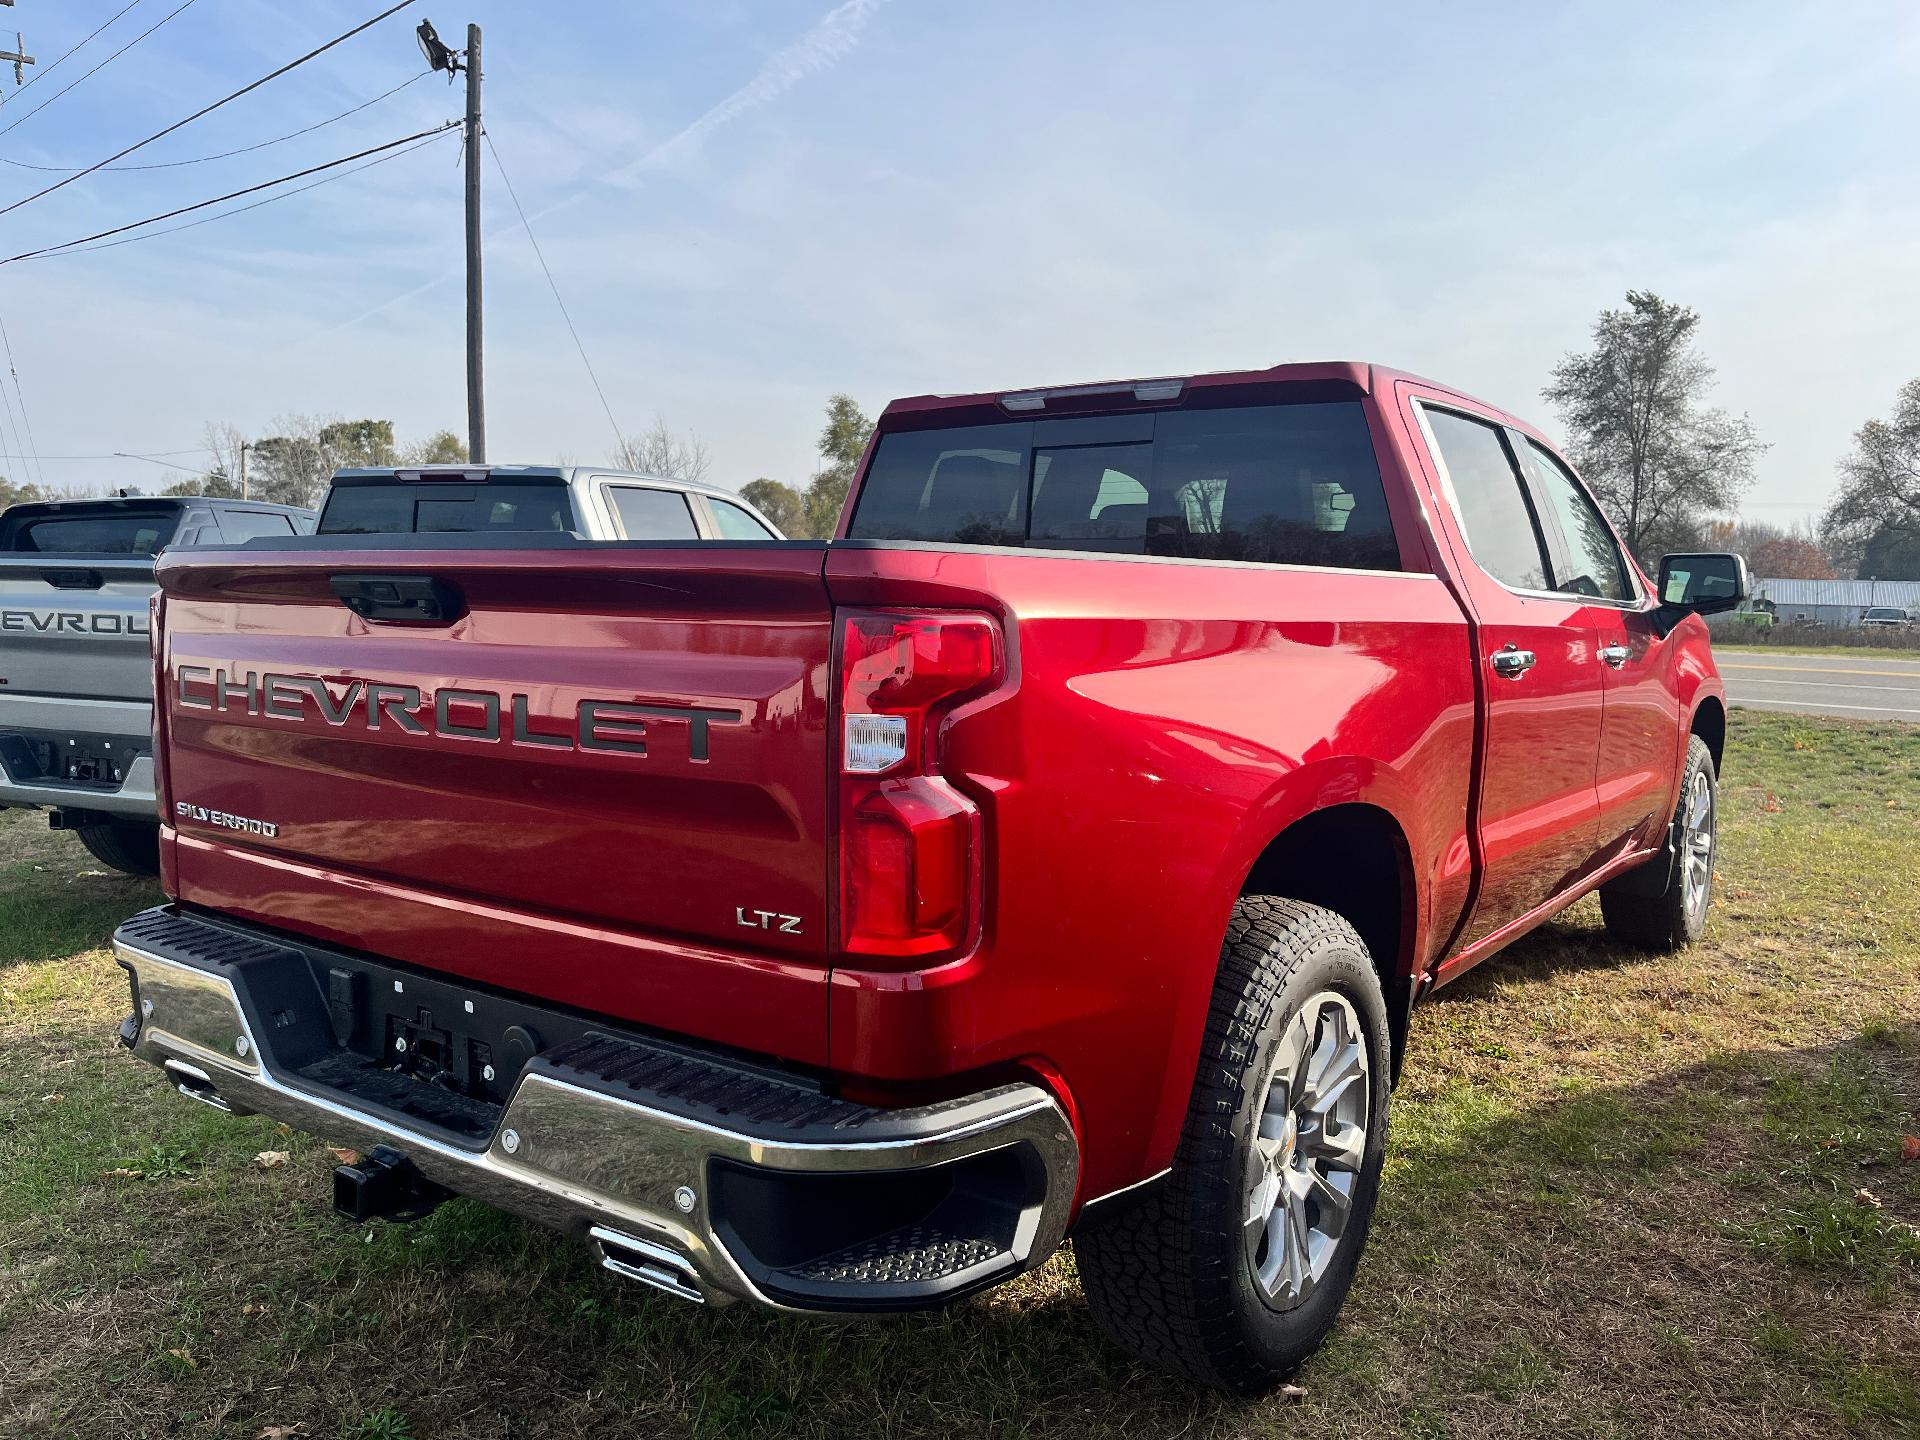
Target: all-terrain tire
x,y
1171,1279
126,845
1675,917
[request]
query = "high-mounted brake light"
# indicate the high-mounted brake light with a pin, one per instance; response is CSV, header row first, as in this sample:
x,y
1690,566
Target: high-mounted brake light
x,y
909,841
1147,392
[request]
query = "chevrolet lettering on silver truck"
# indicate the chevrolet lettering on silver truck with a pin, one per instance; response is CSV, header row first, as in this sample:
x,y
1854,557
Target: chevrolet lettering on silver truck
x,y
1062,851
76,686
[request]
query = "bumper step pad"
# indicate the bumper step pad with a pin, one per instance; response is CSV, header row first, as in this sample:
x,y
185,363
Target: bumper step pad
x,y
710,1175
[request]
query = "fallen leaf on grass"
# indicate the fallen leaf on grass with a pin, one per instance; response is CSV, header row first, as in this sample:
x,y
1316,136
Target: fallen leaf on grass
x,y
1773,805
1867,1198
123,1174
52,1099
272,1159
344,1156
1910,1147
185,1357
278,1432
1290,1394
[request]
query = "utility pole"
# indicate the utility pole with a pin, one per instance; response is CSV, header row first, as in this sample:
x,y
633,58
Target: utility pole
x,y
440,57
476,365
245,446
18,55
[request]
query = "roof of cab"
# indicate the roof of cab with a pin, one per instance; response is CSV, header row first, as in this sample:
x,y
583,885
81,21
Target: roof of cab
x,y
1356,377
509,474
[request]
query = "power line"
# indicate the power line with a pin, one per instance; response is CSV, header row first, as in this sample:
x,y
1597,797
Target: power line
x,y
80,248
21,395
85,240
129,455
207,109
49,69
229,154
618,439
96,69
116,455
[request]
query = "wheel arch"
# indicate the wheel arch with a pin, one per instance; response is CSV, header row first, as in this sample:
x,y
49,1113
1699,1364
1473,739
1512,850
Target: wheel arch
x,y
1354,859
1709,722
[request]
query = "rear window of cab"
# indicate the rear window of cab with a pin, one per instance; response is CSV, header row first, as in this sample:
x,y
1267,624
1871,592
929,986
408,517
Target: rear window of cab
x,y
1275,484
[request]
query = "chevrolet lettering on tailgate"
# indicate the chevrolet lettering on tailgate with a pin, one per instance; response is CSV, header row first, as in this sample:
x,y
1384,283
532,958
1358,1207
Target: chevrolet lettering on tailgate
x,y
458,713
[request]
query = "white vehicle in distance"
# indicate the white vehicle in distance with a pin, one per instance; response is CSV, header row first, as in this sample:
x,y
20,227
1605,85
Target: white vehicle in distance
x,y
584,500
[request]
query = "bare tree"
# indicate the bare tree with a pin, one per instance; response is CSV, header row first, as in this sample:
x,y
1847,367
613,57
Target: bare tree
x,y
1658,460
660,452
1873,523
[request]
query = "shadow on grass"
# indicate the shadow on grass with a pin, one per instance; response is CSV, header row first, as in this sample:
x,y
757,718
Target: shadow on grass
x,y
225,1293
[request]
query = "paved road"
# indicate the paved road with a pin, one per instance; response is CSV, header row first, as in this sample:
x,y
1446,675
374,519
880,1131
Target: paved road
x,y
1860,686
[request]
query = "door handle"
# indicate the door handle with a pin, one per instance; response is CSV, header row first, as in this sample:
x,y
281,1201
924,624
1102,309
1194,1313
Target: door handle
x,y
1616,655
1512,662
420,599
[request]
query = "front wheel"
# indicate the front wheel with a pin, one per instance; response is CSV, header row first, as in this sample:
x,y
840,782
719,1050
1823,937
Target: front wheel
x,y
1233,1272
1673,917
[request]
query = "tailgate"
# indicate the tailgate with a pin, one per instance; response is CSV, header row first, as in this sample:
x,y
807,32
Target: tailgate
x,y
75,626
592,781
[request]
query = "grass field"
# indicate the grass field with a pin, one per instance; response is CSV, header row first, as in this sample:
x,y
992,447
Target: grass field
x,y
1625,1197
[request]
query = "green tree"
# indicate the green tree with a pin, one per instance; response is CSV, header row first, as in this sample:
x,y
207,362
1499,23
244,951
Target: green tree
x,y
1874,521
443,447
842,441
12,494
1657,458
785,506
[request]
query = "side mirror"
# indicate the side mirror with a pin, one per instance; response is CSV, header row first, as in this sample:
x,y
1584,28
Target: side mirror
x,y
1701,585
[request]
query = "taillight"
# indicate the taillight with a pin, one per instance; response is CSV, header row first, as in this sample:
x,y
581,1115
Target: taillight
x,y
909,841
156,657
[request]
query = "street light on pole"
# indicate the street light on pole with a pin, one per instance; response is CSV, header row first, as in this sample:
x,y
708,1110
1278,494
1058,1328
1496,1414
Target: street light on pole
x,y
442,58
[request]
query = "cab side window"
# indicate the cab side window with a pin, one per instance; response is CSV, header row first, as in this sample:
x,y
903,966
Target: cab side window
x,y
1489,500
1590,564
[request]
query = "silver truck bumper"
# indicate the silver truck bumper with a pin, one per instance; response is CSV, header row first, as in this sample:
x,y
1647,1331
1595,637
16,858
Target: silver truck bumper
x,y
134,800
648,1187
133,797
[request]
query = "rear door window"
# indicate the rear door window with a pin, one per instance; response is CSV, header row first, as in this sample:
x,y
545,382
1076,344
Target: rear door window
x,y
1274,484
1489,500
652,514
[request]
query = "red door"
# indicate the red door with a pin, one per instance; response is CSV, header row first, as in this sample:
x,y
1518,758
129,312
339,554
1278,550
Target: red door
x,y
1537,822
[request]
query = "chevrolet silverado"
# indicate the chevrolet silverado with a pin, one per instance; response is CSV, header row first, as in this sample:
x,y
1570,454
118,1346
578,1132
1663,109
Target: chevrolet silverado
x,y
76,691
1061,850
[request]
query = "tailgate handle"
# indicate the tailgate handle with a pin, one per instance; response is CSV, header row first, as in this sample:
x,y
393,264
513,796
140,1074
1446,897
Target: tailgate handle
x,y
73,579
419,599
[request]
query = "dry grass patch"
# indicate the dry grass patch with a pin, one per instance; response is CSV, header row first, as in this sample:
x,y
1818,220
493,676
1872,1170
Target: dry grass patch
x,y
1621,1201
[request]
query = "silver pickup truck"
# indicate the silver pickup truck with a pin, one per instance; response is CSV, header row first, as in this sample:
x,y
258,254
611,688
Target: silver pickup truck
x,y
76,681
592,502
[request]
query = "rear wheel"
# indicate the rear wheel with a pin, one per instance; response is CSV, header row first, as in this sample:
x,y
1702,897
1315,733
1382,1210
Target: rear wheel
x,y
1234,1270
1675,916
126,845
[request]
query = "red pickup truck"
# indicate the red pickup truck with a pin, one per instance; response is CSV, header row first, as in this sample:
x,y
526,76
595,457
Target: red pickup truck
x,y
839,927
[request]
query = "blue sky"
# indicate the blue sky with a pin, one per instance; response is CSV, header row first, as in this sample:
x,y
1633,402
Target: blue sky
x,y
751,205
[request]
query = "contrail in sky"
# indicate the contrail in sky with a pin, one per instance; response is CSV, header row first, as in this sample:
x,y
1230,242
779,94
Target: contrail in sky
x,y
829,40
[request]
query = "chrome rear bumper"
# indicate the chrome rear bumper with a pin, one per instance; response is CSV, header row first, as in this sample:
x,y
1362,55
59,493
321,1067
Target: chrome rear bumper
x,y
708,1196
